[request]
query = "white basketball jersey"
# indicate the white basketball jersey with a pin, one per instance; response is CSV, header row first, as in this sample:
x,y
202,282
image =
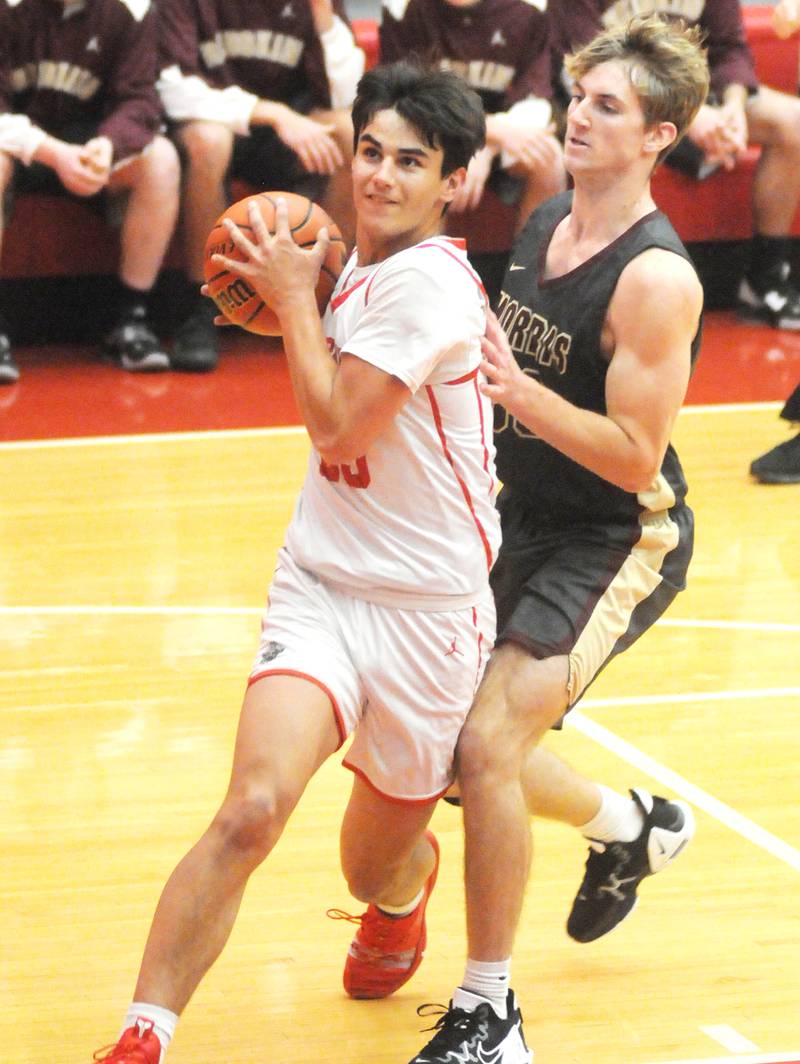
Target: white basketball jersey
x,y
412,522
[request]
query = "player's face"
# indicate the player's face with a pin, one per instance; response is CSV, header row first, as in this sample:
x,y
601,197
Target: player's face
x,y
398,188
605,122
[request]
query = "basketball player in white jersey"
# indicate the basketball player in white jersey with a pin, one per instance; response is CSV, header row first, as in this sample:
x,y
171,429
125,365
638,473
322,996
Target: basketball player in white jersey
x,y
380,616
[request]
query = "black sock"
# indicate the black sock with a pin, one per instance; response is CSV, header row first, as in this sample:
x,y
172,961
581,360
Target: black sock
x,y
128,302
767,255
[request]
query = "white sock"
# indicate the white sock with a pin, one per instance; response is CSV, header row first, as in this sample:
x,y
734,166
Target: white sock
x,y
402,910
619,819
164,1022
487,981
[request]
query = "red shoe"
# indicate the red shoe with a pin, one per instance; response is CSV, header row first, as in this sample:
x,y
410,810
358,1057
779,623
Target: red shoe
x,y
386,952
138,1045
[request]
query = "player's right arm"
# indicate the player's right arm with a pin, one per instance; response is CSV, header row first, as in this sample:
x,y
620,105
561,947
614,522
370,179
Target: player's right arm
x,y
345,403
651,321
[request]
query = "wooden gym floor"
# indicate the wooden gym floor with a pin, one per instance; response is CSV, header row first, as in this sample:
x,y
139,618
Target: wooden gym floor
x,y
139,520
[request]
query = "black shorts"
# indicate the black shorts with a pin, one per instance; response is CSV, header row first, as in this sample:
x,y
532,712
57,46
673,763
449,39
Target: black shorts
x,y
43,179
586,591
265,162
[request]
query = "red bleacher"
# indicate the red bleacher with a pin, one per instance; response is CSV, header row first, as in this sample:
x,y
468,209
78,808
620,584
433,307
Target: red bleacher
x,y
53,236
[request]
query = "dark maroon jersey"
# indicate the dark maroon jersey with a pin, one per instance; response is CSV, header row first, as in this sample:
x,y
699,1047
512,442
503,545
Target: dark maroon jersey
x,y
90,61
268,47
500,47
730,61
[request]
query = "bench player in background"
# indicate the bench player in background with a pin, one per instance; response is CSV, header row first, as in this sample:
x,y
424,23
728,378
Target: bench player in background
x,y
79,115
502,50
260,92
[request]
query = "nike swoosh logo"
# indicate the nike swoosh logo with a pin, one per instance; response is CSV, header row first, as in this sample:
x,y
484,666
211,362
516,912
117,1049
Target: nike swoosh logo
x,y
514,266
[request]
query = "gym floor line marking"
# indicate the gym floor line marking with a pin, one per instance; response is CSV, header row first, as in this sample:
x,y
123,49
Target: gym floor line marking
x,y
246,611
697,797
286,430
152,437
691,696
133,611
729,1038
744,626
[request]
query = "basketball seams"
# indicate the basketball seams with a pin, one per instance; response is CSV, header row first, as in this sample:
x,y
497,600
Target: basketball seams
x,y
229,289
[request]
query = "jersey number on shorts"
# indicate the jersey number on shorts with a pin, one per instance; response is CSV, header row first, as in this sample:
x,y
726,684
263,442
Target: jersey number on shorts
x,y
354,478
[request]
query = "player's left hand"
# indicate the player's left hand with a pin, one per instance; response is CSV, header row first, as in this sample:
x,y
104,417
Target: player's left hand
x,y
282,273
504,378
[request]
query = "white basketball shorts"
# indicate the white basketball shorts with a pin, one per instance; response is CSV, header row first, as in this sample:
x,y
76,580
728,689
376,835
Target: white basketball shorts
x,y
400,681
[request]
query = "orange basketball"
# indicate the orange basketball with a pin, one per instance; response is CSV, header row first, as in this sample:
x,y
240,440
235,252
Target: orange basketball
x,y
233,294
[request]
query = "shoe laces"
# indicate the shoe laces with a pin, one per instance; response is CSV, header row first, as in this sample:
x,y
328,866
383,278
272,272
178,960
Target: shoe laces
x,y
451,1021
380,935
127,1054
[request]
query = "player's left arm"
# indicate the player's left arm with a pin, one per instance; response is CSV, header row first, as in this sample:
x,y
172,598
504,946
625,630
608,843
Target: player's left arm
x,y
345,405
650,325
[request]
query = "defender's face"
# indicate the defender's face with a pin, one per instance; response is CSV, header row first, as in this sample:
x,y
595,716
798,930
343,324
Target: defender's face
x,y
398,188
605,122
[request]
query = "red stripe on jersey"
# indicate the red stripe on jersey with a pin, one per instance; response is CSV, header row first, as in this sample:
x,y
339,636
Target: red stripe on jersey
x,y
346,293
479,670
465,378
464,489
458,242
483,433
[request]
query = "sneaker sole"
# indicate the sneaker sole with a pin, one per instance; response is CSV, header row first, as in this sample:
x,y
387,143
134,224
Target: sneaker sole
x,y
155,363
776,478
765,317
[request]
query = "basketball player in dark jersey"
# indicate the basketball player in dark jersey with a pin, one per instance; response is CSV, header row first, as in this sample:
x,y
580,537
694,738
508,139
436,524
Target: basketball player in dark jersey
x,y
502,49
79,116
599,323
739,111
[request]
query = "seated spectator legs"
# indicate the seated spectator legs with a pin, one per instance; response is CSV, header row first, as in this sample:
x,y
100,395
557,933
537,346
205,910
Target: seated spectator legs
x,y
151,181
207,150
9,371
768,291
338,196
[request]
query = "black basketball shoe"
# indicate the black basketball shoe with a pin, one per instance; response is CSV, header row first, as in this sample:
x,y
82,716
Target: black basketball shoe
x,y
9,370
478,1037
133,345
615,869
781,465
195,347
772,298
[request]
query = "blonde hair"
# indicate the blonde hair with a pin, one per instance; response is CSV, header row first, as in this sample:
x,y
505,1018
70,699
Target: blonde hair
x,y
666,65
